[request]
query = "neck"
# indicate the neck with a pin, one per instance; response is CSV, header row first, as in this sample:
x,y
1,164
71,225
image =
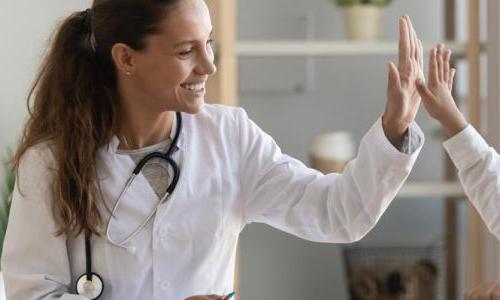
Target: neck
x,y
141,131
142,122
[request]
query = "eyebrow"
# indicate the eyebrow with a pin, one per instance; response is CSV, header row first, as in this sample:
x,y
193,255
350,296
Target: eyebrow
x,y
192,41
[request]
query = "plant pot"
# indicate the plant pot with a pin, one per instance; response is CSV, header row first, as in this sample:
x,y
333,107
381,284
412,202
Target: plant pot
x,y
362,22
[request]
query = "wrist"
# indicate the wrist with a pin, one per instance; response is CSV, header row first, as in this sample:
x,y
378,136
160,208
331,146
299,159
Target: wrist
x,y
454,123
394,130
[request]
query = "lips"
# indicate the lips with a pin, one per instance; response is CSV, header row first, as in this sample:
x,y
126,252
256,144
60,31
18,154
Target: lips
x,y
194,87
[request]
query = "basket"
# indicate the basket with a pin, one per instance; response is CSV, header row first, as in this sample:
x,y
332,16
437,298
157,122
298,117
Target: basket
x,y
395,272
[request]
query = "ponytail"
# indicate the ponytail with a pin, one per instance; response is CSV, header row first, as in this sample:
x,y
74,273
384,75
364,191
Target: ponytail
x,y
70,105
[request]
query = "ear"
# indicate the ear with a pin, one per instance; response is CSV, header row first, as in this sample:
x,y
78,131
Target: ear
x,y
123,57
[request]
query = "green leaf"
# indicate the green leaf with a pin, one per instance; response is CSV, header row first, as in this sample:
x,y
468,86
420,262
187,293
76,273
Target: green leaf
x,y
7,189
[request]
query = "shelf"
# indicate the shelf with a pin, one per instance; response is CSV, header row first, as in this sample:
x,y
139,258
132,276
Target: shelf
x,y
431,189
263,48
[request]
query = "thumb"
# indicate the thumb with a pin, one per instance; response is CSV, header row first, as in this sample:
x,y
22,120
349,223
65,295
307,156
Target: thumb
x,y
394,79
424,91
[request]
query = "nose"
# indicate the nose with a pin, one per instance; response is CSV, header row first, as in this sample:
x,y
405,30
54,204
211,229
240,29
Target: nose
x,y
206,65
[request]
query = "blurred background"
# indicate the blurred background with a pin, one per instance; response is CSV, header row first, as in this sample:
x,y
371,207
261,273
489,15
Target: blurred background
x,y
300,74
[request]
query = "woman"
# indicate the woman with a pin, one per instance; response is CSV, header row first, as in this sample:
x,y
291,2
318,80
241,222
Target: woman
x,y
127,78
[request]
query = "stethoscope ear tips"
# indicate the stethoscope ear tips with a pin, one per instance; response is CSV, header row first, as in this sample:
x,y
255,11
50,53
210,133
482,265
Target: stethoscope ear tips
x,y
91,289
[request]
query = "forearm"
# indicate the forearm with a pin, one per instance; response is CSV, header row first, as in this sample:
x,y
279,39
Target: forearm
x,y
375,178
479,170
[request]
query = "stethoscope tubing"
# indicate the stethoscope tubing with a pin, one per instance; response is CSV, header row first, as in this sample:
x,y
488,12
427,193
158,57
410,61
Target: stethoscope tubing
x,y
89,275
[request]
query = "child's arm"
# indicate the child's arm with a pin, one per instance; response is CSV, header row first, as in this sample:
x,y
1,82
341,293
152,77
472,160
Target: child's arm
x,y
478,164
437,97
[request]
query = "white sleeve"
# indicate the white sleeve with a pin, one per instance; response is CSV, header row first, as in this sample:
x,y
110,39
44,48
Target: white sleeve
x,y
35,262
478,167
280,191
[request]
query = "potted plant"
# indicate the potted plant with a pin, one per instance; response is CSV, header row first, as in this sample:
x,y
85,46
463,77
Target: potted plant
x,y
6,188
362,17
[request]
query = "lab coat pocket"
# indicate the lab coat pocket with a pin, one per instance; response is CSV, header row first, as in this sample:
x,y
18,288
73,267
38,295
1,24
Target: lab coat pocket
x,y
197,207
195,219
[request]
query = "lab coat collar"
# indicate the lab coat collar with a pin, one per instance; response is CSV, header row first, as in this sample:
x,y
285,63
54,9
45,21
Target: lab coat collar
x,y
112,147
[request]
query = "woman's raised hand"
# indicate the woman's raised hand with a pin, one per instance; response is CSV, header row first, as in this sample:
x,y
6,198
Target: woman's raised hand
x,y
403,99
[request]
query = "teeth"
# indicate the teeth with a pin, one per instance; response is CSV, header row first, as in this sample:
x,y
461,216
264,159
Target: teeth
x,y
194,87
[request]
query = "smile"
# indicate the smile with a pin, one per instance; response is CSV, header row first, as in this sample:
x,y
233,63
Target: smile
x,y
199,87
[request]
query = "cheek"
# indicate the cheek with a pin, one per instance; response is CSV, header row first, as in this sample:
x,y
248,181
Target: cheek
x,y
171,76
167,73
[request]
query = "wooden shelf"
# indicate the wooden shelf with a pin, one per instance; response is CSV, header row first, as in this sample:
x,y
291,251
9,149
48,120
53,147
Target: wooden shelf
x,y
263,48
431,189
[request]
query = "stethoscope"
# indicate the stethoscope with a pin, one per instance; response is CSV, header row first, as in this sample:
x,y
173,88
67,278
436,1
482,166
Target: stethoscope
x,y
90,284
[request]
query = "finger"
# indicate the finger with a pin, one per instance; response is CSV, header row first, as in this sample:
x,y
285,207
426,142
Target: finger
x,y
482,291
496,292
451,79
424,91
439,57
420,60
420,54
404,43
446,64
469,295
487,291
394,79
433,70
417,52
411,36
473,294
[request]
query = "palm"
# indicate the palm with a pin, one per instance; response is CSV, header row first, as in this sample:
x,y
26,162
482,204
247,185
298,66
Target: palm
x,y
403,98
438,99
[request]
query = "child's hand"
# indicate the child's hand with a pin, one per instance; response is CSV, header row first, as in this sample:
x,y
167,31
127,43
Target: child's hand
x,y
436,96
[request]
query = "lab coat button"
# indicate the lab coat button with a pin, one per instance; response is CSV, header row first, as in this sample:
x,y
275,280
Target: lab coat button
x,y
165,285
163,232
131,249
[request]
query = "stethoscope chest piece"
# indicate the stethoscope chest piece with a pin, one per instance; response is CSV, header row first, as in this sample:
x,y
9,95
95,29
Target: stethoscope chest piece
x,y
91,289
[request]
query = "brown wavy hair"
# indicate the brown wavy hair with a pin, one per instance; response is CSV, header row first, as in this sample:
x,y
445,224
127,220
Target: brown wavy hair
x,y
74,101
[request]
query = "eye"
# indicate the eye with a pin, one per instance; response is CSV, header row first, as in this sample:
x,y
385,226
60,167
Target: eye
x,y
186,53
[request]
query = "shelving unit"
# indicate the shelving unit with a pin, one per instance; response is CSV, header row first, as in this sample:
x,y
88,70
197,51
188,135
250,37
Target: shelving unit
x,y
225,90
330,48
431,190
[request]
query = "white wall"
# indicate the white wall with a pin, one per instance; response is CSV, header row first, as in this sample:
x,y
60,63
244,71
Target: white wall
x,y
25,26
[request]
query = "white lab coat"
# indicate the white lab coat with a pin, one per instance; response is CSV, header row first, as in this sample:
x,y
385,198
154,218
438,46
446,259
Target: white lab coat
x,y
232,174
478,167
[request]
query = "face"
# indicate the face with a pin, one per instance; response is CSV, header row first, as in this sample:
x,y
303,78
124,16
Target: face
x,y
172,70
